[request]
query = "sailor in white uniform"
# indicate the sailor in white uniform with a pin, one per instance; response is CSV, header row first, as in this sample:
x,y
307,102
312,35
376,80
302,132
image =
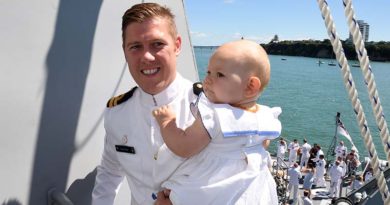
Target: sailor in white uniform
x,y
294,174
320,172
305,153
133,144
293,152
341,150
281,152
336,174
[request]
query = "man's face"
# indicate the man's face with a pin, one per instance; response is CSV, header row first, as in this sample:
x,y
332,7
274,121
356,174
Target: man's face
x,y
150,51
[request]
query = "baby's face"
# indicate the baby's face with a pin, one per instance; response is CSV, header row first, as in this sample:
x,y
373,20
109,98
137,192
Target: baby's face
x,y
225,82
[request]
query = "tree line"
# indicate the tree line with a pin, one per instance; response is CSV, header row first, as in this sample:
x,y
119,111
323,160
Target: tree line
x,y
377,51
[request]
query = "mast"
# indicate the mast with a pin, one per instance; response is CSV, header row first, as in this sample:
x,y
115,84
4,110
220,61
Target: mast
x,y
331,150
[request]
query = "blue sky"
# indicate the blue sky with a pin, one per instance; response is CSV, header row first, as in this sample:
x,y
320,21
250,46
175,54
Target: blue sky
x,y
213,22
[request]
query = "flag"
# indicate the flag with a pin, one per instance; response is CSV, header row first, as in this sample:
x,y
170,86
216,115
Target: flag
x,y
343,131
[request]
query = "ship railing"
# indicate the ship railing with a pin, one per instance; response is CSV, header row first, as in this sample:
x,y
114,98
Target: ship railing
x,y
280,173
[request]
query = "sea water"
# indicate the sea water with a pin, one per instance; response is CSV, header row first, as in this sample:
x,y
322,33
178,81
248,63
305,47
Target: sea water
x,y
310,95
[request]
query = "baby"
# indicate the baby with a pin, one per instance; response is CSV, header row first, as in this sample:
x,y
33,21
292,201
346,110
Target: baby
x,y
225,160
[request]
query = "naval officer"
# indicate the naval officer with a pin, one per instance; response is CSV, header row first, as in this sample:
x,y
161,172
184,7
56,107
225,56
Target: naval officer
x,y
133,144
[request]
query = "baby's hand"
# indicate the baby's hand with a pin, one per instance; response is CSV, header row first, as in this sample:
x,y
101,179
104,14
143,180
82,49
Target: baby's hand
x,y
164,114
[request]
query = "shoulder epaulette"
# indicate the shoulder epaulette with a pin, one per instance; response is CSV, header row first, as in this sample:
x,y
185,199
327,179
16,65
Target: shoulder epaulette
x,y
197,88
120,98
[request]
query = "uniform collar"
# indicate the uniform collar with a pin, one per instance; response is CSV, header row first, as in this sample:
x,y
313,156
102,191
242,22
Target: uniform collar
x,y
164,97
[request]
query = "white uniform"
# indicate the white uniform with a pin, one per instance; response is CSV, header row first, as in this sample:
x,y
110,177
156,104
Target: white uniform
x,y
293,184
307,201
336,174
133,142
320,172
281,152
293,151
233,160
305,154
319,153
341,151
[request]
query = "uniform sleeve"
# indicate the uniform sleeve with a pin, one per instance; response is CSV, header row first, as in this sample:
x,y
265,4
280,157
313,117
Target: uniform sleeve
x,y
109,176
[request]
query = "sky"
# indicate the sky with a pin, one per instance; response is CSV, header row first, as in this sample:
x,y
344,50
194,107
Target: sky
x,y
214,22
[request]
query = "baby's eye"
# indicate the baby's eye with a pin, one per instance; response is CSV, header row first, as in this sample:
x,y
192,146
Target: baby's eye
x,y
208,73
220,75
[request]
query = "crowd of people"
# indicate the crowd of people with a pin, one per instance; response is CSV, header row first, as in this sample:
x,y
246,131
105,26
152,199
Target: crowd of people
x,y
308,162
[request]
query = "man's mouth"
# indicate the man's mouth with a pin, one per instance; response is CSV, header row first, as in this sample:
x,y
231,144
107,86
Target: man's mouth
x,y
150,71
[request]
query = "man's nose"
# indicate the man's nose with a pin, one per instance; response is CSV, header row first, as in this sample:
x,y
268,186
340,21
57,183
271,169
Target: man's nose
x,y
148,56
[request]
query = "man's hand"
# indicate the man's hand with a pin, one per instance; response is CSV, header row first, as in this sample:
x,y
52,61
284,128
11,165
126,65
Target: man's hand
x,y
163,198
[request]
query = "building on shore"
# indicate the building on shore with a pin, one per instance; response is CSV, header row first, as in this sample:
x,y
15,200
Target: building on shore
x,y
364,30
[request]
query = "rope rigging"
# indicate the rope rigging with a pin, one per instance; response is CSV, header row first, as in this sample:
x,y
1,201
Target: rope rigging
x,y
352,92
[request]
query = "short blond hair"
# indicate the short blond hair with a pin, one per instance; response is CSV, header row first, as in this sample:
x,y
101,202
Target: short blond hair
x,y
140,13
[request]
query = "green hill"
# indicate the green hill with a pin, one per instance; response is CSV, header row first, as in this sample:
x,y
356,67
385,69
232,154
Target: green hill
x,y
377,51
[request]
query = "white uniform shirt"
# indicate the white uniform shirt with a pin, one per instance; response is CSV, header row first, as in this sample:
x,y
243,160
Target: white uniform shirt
x,y
336,173
293,148
306,201
305,149
281,149
320,167
295,175
131,127
341,151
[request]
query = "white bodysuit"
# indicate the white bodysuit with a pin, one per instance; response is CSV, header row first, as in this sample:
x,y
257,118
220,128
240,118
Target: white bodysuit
x,y
232,169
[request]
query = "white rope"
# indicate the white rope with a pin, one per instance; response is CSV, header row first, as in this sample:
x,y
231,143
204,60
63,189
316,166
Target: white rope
x,y
353,95
368,76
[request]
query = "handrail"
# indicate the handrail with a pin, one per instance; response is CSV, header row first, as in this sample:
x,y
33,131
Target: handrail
x,y
281,185
55,197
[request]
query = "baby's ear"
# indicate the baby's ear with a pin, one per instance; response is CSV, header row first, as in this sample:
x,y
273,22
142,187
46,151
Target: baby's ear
x,y
253,87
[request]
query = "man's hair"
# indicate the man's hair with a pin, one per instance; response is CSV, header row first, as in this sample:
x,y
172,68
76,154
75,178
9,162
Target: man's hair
x,y
306,192
140,13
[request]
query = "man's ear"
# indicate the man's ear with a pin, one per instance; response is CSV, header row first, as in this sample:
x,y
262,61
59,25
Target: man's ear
x,y
253,87
178,45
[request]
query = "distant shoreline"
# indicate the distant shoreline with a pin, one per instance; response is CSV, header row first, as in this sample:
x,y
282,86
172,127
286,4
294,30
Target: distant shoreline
x,y
377,51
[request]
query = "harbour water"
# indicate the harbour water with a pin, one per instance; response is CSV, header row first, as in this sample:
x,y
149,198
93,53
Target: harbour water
x,y
310,95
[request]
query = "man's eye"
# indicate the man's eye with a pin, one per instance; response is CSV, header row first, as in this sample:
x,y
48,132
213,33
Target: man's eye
x,y
134,47
158,44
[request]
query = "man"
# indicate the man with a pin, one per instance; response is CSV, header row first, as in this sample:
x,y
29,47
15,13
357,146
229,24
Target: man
x,y
293,152
320,172
305,153
295,174
133,142
352,160
341,150
336,175
306,198
282,146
